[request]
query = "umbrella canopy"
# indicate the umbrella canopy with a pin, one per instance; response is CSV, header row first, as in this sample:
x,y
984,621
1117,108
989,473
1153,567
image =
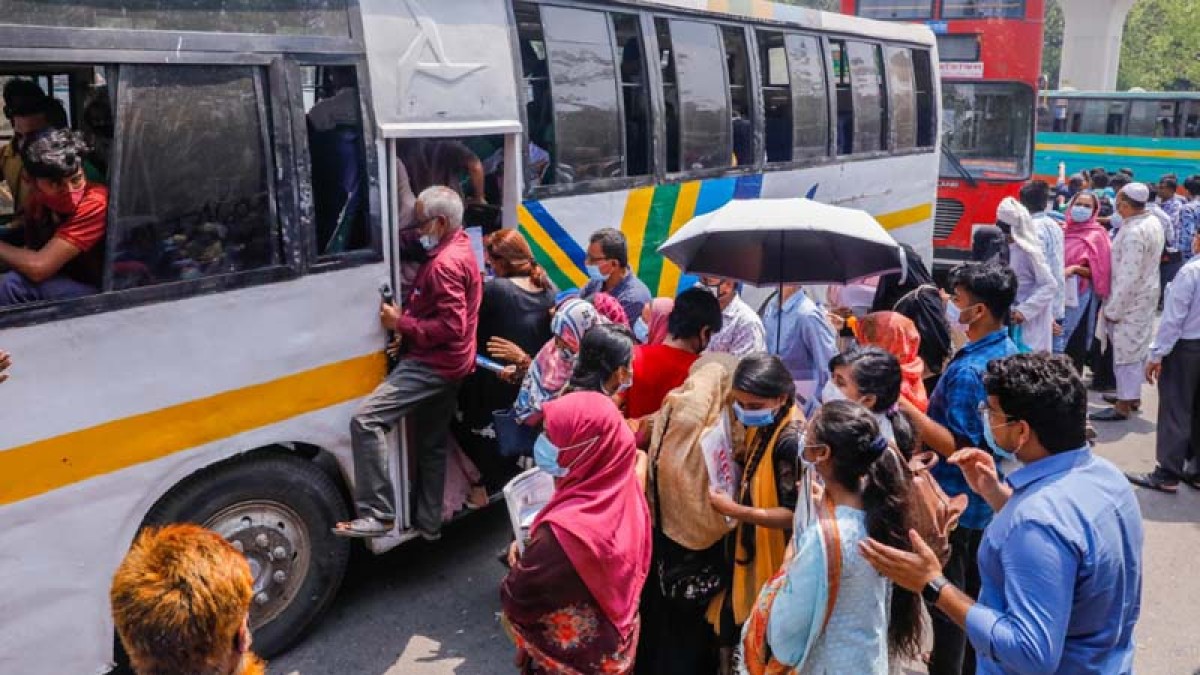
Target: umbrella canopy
x,y
784,241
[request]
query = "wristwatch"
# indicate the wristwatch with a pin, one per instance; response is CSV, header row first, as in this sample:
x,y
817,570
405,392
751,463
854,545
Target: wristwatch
x,y
933,590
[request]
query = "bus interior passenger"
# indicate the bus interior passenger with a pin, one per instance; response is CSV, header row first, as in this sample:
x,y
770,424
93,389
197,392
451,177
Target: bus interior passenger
x,y
339,180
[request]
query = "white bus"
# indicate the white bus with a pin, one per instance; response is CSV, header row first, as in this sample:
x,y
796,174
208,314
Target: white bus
x,y
213,377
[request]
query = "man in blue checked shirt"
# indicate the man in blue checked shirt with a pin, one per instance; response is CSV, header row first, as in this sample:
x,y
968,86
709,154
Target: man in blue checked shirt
x,y
1061,563
983,296
1187,219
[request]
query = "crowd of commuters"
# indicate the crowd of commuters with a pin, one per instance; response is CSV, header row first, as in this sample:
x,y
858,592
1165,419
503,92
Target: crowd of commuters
x,y
809,558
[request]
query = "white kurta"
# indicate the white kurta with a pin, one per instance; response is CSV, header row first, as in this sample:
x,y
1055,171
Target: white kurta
x,y
1129,311
1036,300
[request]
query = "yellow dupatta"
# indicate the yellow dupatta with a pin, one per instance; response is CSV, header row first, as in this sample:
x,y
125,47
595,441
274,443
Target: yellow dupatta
x,y
769,544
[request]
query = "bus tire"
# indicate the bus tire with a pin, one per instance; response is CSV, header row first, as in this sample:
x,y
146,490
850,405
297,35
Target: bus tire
x,y
279,510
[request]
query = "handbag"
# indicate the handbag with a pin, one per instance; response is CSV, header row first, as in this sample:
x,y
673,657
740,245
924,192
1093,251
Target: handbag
x,y
757,658
934,513
513,439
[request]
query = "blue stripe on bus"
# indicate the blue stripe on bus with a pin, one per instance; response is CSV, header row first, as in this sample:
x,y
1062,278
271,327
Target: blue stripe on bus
x,y
564,241
748,187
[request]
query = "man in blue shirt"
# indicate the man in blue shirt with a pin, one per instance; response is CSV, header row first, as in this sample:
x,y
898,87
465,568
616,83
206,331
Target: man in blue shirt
x,y
1175,364
802,338
1061,563
608,271
983,295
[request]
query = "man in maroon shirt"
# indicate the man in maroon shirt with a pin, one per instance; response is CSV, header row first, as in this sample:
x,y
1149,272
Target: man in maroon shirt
x,y
436,331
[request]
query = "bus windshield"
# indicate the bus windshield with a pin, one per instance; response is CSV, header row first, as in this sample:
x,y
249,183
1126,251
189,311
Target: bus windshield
x,y
988,128
896,9
983,9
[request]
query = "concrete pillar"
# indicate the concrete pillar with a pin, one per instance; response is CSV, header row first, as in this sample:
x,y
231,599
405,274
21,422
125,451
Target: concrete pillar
x,y
1091,50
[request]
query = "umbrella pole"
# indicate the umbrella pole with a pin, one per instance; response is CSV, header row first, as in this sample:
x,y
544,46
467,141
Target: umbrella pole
x,y
779,318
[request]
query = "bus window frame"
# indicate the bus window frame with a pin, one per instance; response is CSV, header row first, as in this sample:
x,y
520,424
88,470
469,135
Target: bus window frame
x,y
87,47
684,175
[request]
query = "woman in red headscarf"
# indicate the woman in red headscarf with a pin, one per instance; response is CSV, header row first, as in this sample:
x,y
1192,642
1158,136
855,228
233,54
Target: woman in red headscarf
x,y
897,334
571,599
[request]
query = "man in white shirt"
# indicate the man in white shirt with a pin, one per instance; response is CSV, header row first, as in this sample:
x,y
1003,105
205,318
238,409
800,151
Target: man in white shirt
x,y
742,330
1035,196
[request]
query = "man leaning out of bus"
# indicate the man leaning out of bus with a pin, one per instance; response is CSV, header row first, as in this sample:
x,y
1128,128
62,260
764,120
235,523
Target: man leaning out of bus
x,y
181,604
64,226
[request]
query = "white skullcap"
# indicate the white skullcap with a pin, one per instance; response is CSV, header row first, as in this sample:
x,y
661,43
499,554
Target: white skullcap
x,y
1138,192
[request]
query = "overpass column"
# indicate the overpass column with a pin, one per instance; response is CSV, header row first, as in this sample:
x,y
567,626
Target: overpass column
x,y
1092,43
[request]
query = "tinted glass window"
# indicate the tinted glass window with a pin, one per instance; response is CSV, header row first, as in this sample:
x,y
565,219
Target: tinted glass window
x,y
705,138
958,47
810,98
635,90
981,9
903,94
923,74
737,59
987,129
777,96
583,82
338,158
193,194
840,72
866,79
278,17
1142,118
896,9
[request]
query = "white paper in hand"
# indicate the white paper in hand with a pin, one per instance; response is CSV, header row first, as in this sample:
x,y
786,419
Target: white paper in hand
x,y
724,474
525,496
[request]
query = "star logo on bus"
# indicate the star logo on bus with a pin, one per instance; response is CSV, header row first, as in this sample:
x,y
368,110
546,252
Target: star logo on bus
x,y
429,39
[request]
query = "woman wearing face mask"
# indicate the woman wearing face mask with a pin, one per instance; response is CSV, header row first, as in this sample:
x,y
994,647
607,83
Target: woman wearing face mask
x,y
1088,257
933,315
872,377
651,327
764,402
1037,287
551,368
571,599
860,623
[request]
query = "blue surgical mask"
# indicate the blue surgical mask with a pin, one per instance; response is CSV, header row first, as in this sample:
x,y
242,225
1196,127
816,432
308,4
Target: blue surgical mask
x,y
641,331
429,241
952,313
594,273
545,456
830,392
990,439
1116,220
1081,214
753,418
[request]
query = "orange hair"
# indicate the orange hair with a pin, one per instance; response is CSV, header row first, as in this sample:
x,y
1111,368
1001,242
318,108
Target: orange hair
x,y
511,255
179,598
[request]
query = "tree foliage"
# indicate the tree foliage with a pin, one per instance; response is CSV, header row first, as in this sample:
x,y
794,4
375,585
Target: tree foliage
x,y
1052,49
827,5
1160,50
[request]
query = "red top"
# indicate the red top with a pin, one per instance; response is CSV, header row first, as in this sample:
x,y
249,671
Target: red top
x,y
442,309
82,228
657,369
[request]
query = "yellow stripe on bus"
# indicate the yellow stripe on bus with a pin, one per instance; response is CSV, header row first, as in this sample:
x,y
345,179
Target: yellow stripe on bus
x,y
906,217
633,224
56,462
1127,152
685,210
539,235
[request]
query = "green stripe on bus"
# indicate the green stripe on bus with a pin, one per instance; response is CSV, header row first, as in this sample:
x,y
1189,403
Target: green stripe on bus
x,y
556,275
658,228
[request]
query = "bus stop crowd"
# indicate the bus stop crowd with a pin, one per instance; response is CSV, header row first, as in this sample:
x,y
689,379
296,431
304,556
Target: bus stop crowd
x,y
897,449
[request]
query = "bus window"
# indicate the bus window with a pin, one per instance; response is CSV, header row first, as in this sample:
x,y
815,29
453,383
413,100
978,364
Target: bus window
x,y
666,62
840,67
1166,121
539,110
294,17
1114,121
983,9
1088,116
1143,116
777,96
701,95
583,85
926,122
737,64
1191,119
902,89
866,77
810,97
193,198
335,146
896,9
635,90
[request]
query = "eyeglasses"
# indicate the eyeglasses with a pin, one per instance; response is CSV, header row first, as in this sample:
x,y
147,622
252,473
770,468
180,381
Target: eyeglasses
x,y
985,414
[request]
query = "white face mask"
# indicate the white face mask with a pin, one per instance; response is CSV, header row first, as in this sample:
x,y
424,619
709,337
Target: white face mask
x,y
951,313
831,392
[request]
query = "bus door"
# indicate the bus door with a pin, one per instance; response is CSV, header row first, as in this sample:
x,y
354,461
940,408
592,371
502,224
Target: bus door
x,y
443,91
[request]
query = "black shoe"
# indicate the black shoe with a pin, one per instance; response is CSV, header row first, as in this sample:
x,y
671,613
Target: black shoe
x,y
1192,480
1112,399
1155,480
1108,415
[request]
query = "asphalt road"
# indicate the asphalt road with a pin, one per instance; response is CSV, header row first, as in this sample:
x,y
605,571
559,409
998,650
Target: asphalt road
x,y
431,609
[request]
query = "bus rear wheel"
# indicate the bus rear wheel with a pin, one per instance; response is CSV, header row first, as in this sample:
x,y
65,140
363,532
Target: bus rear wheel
x,y
279,510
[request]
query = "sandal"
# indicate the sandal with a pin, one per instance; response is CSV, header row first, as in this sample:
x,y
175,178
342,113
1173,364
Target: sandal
x,y
477,498
364,528
1108,415
1112,399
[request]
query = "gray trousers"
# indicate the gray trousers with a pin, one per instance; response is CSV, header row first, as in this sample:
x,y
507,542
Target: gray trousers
x,y
1178,397
428,400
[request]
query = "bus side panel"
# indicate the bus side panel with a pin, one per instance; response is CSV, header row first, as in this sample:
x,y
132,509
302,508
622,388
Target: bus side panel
x,y
899,191
1149,158
117,408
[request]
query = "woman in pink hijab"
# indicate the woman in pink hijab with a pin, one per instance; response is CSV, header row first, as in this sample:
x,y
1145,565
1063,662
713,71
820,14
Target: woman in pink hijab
x,y
1088,259
651,326
571,599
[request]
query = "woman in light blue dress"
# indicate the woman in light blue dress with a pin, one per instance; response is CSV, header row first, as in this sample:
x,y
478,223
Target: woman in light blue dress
x,y
860,624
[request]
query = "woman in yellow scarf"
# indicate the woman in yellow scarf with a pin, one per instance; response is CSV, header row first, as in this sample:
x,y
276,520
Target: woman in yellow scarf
x,y
764,402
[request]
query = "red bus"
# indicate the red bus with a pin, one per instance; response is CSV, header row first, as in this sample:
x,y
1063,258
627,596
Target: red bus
x,y
991,59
